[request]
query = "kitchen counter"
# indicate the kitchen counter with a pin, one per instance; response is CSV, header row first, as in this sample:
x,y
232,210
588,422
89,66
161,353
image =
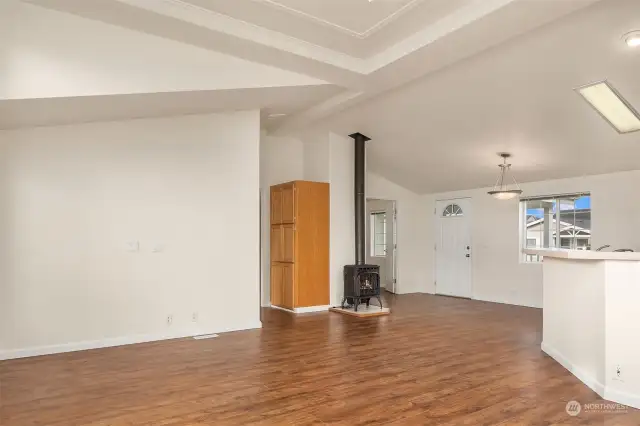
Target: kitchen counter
x,y
584,254
591,318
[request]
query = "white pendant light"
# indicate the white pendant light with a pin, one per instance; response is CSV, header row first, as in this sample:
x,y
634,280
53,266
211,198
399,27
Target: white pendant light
x,y
501,190
632,38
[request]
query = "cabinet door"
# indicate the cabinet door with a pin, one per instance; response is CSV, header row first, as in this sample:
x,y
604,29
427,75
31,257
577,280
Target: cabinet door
x,y
287,283
277,250
276,205
277,288
288,243
288,212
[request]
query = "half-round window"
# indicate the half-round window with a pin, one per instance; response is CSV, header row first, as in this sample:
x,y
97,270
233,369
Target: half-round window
x,y
452,210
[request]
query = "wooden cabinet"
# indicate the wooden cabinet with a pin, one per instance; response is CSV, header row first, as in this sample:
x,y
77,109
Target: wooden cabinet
x,y
288,204
288,242
287,284
300,244
283,243
277,289
276,205
277,251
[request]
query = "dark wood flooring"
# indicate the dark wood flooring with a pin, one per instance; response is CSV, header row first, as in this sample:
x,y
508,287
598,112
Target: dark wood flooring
x,y
433,361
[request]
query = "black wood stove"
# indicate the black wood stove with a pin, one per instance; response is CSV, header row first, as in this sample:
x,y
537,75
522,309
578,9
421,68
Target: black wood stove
x,y
361,281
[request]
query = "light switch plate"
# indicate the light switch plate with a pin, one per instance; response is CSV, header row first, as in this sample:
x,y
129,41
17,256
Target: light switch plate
x,y
133,246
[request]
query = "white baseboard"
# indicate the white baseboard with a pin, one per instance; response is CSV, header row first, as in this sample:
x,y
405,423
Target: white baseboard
x,y
505,302
622,398
304,310
580,374
281,308
115,341
604,391
308,309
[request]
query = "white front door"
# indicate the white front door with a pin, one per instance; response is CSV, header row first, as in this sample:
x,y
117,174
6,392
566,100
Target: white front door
x,y
453,247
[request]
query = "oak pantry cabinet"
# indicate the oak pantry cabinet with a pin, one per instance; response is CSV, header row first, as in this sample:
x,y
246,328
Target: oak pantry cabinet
x,y
300,245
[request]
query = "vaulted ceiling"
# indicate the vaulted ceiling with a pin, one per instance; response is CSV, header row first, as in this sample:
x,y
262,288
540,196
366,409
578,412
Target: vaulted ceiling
x,y
359,28
440,85
365,47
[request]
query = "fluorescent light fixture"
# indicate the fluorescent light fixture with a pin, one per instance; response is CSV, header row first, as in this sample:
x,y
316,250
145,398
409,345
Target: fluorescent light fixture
x,y
610,104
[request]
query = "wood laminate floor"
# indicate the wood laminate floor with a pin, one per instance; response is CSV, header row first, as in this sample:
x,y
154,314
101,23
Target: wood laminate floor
x,y
433,361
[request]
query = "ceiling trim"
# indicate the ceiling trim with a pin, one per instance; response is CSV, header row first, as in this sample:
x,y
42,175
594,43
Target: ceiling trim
x,y
443,27
215,21
361,35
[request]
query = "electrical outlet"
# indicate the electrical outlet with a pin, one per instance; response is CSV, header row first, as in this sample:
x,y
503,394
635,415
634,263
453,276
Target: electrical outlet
x,y
194,317
169,319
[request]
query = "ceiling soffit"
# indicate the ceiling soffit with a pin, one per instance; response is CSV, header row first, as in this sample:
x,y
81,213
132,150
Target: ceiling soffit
x,y
396,9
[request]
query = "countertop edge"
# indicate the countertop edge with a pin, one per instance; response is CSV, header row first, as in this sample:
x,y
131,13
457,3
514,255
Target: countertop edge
x,y
584,254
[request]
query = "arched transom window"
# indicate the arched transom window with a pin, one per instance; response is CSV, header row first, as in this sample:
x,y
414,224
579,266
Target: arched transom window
x,y
452,210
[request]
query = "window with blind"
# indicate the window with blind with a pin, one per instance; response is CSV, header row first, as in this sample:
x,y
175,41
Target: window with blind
x,y
378,234
560,221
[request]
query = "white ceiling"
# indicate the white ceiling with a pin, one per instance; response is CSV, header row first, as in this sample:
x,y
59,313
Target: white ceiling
x,y
17,113
357,17
440,86
442,132
265,33
358,28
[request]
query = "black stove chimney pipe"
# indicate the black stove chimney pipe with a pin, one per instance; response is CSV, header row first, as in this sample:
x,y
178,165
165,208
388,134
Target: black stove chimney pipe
x,y
360,206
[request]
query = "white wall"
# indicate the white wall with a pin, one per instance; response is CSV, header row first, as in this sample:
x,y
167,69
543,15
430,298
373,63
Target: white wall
x,y
323,158
413,234
590,313
621,314
281,160
574,300
316,158
73,196
329,157
45,53
498,274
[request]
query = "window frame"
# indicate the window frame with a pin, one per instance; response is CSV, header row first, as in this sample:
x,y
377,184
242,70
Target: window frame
x,y
452,210
372,217
554,242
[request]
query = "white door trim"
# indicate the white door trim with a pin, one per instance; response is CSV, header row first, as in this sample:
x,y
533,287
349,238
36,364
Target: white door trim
x,y
436,227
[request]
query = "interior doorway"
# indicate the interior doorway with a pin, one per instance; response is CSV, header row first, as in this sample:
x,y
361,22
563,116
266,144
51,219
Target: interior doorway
x,y
382,247
453,247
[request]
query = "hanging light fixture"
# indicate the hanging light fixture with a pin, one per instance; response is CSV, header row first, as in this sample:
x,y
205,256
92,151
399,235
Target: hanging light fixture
x,y
501,189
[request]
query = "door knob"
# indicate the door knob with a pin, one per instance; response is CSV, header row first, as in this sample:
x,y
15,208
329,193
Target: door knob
x,y
467,255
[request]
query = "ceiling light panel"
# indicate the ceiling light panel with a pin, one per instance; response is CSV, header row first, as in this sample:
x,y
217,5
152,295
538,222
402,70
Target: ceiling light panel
x,y
610,104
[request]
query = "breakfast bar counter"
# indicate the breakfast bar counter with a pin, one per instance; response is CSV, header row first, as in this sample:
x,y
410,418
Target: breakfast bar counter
x,y
591,318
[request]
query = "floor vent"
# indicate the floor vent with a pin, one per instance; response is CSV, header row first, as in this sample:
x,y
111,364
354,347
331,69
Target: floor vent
x,y
205,336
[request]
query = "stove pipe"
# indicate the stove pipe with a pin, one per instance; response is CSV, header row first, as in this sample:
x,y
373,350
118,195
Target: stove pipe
x,y
359,193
